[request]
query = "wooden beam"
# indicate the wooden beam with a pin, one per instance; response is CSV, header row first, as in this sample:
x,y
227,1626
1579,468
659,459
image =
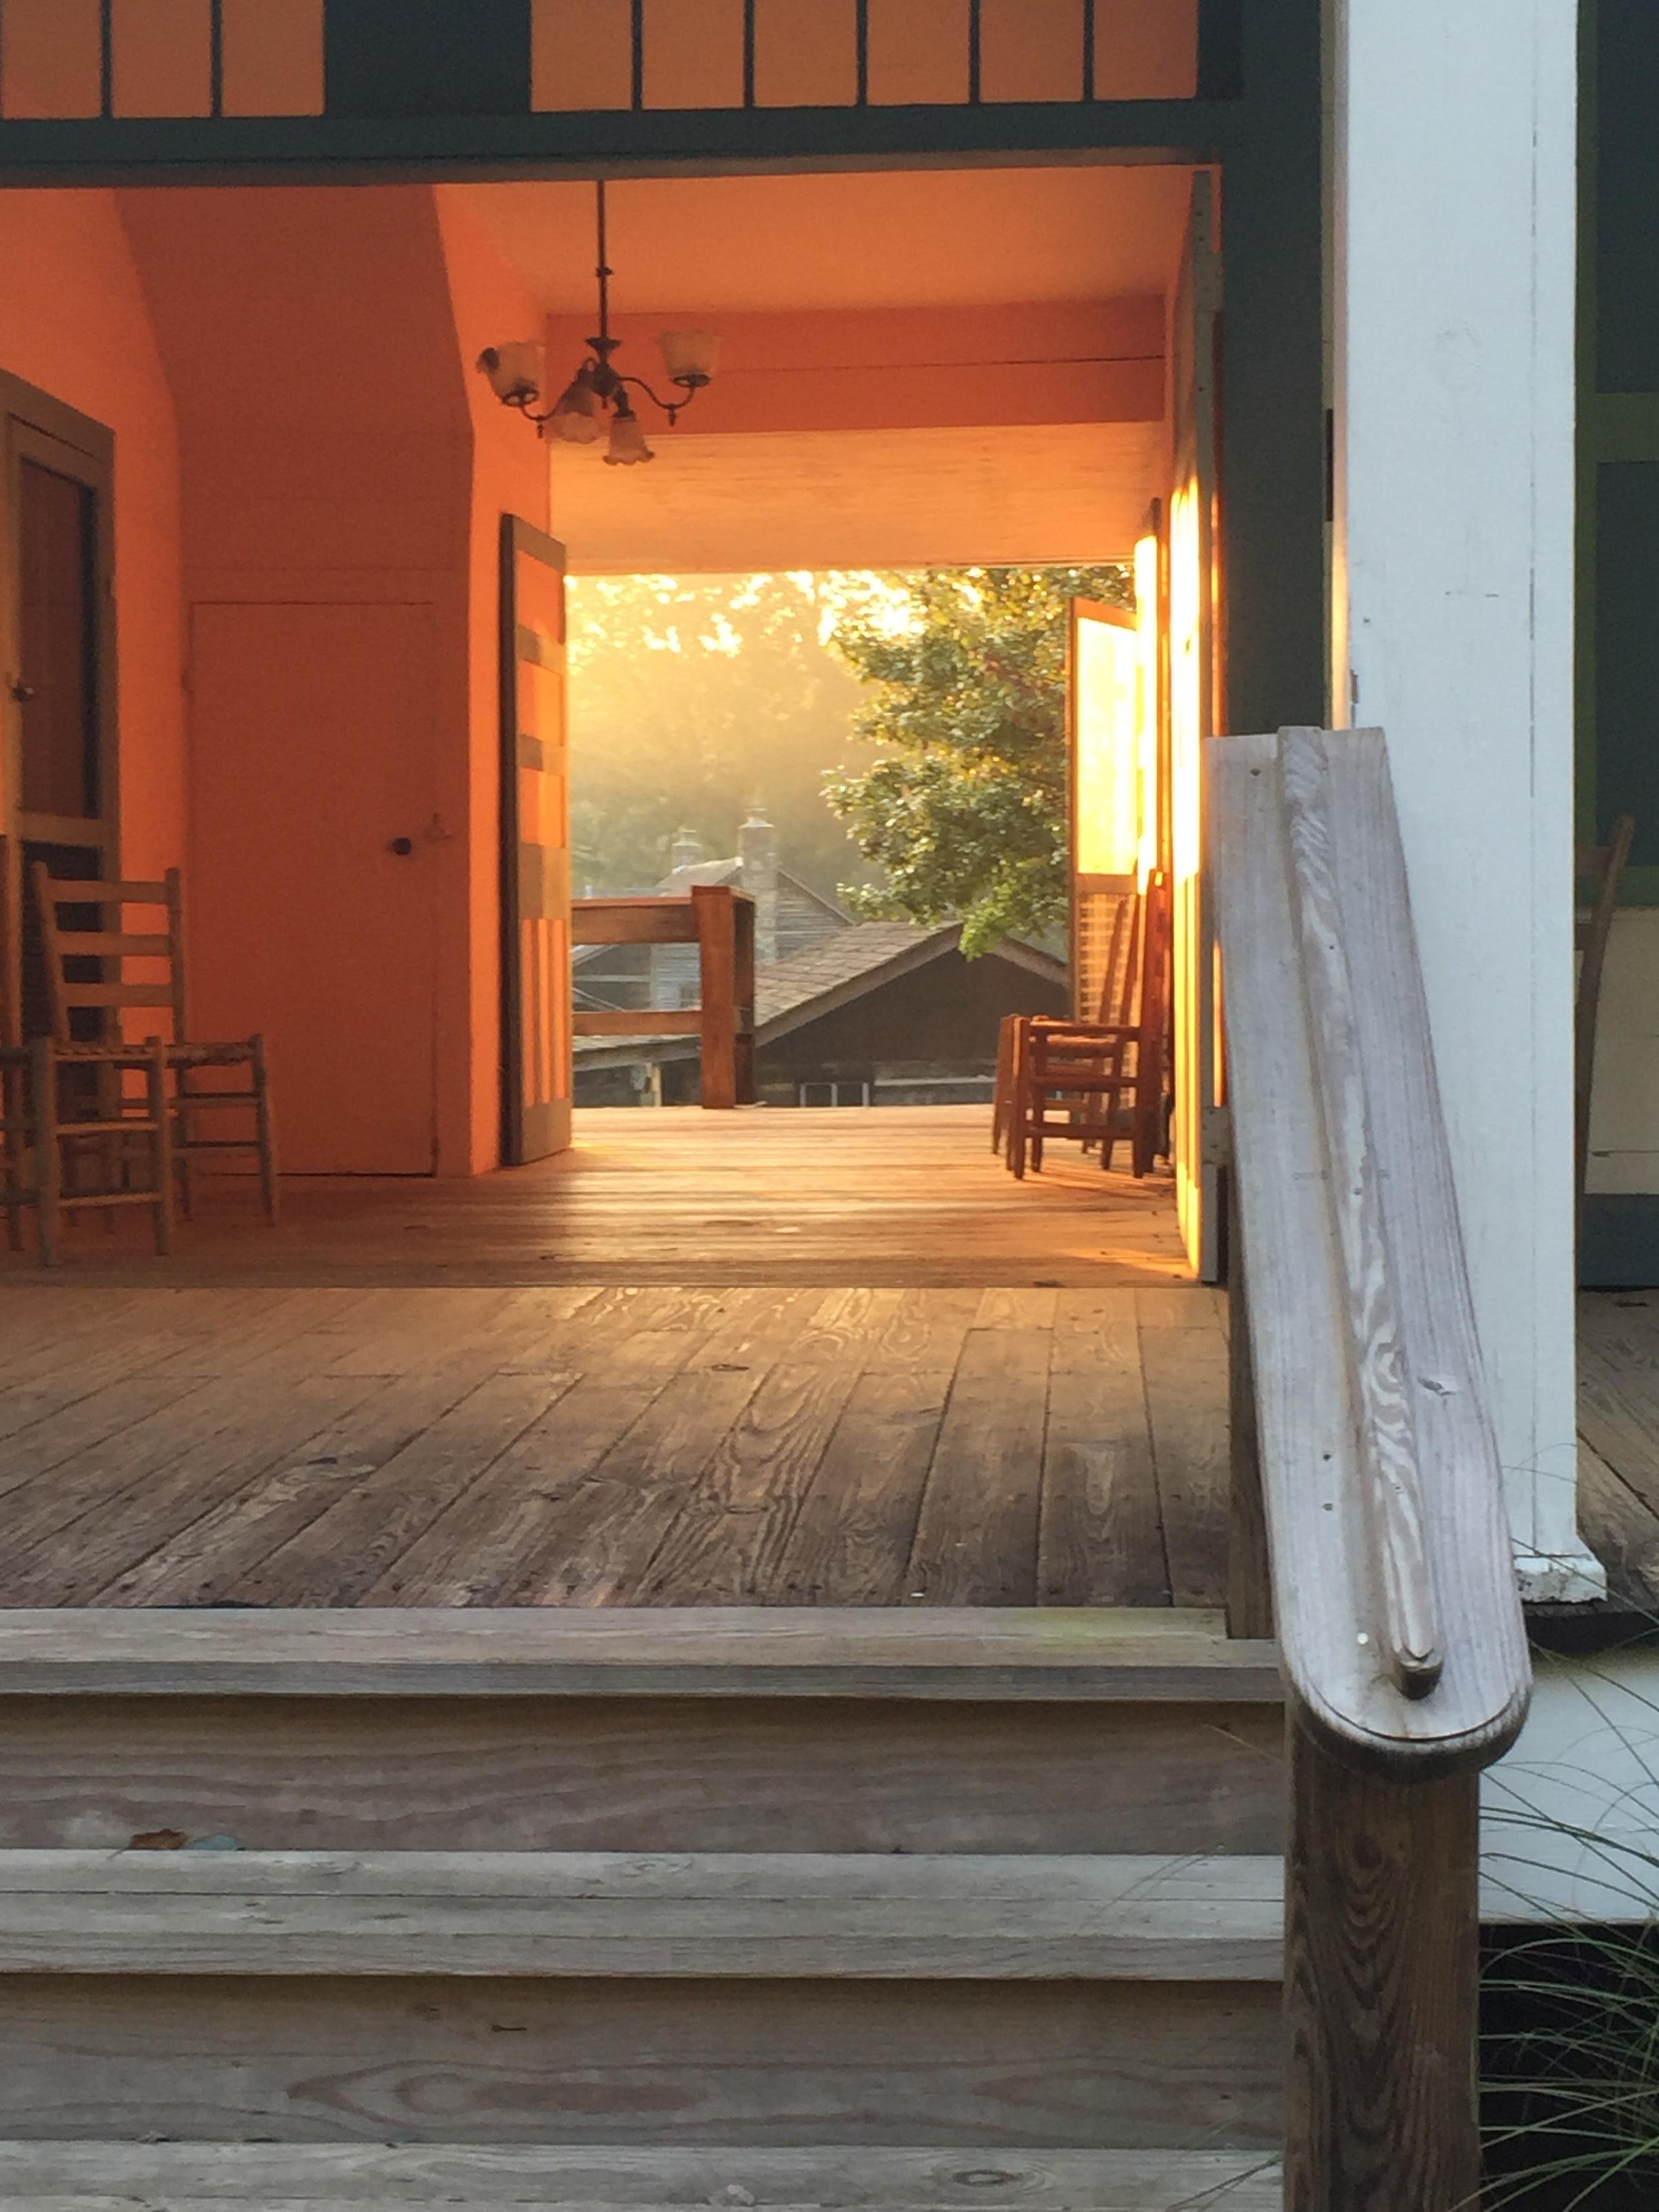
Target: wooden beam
x,y
1381,1983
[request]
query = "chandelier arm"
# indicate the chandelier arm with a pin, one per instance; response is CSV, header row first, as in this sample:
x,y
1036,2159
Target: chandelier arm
x,y
671,408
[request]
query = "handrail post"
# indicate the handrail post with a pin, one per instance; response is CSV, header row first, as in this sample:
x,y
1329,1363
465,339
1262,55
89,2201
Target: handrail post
x,y
717,957
1382,1959
1250,1572
744,989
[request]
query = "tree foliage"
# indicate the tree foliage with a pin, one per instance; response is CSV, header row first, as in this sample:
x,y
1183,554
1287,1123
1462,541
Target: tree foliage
x,y
966,814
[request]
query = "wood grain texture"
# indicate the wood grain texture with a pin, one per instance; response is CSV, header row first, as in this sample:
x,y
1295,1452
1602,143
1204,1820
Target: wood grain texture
x,y
1382,1975
644,1773
93,2176
754,1914
619,1446
1330,1614
342,2059
890,1196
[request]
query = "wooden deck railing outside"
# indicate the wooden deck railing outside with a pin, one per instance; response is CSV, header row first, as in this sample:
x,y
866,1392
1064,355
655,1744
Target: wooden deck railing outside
x,y
721,923
1369,1527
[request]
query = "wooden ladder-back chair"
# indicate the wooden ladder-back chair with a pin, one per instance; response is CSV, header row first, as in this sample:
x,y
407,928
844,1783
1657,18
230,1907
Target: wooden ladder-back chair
x,y
85,969
1119,992
1094,1082
1601,866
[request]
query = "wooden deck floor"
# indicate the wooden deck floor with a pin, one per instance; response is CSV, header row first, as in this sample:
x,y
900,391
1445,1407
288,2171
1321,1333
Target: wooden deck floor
x,y
612,1446
884,1197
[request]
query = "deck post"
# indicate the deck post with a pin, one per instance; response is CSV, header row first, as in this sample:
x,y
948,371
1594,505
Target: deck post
x,y
1250,1570
716,910
1381,1986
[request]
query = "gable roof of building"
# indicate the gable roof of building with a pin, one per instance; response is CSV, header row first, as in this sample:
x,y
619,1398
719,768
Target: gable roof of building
x,y
840,968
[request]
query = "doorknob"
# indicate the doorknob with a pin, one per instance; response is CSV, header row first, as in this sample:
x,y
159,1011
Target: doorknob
x,y
22,692
402,846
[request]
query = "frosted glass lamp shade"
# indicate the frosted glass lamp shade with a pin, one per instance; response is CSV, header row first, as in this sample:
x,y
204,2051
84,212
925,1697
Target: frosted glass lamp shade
x,y
627,444
516,373
578,419
689,356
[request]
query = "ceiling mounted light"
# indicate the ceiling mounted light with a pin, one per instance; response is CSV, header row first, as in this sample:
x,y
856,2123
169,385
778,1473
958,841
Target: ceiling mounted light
x,y
518,377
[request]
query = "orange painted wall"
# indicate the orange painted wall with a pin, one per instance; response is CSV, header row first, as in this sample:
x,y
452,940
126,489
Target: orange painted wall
x,y
324,443
339,456
75,323
489,305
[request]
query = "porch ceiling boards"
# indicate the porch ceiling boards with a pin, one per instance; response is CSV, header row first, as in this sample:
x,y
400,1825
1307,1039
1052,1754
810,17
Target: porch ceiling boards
x,y
874,1196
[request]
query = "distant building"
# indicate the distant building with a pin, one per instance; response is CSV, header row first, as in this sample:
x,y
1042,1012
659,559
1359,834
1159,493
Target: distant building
x,y
877,1013
789,917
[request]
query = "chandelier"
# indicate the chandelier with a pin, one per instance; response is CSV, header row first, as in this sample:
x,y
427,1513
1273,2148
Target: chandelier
x,y
518,375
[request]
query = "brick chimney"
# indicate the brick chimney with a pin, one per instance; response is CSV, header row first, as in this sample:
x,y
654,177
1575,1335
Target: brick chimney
x,y
686,851
758,855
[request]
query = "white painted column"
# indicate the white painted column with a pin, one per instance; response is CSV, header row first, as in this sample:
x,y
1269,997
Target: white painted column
x,y
1454,185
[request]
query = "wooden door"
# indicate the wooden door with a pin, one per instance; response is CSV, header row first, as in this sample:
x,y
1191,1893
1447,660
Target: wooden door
x,y
313,888
1193,647
536,988
1114,803
58,711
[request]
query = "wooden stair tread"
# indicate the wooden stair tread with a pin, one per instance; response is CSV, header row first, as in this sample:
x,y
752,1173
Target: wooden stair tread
x,y
753,1915
990,1653
103,2177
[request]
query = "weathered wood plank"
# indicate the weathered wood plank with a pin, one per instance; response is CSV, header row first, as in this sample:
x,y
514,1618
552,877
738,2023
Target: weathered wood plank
x,y
336,2059
977,1535
336,1558
1186,1383
1382,1973
964,1652
751,1915
634,1774
1102,1534
91,2177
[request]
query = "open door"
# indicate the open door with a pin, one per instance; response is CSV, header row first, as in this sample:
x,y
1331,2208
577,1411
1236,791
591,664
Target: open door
x,y
536,1065
1113,809
1193,690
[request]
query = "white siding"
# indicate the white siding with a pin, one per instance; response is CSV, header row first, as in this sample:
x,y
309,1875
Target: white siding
x,y
1455,190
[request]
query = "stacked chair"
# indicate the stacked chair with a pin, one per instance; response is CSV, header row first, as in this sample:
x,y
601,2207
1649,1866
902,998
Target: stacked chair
x,y
1094,1082
90,1119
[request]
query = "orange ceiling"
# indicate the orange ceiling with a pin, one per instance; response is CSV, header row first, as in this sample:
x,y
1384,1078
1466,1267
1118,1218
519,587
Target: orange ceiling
x,y
709,245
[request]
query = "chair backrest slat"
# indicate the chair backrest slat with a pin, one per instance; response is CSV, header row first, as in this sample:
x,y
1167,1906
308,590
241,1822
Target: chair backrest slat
x,y
109,992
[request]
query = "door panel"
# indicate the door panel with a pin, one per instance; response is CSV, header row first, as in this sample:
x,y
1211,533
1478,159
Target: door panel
x,y
1193,692
537,1079
312,745
1108,796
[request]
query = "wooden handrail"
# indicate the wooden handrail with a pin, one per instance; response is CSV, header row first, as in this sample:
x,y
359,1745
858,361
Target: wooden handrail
x,y
1360,1410
720,922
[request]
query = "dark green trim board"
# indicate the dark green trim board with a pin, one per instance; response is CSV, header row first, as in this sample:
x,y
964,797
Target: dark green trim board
x,y
338,148
1617,710
1618,1240
428,57
1273,378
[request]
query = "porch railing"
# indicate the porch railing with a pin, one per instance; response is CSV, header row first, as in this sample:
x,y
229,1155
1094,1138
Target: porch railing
x,y
1369,1526
721,923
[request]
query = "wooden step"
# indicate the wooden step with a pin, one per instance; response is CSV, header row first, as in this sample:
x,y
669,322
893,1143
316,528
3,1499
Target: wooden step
x,y
986,1654
103,2177
754,1916
702,1730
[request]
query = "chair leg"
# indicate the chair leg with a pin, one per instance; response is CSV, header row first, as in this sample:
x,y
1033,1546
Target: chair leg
x,y
160,1113
48,1160
14,1091
262,1121
1000,1092
184,1166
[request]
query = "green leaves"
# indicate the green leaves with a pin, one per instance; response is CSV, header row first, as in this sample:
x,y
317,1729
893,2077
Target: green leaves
x,y
967,815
